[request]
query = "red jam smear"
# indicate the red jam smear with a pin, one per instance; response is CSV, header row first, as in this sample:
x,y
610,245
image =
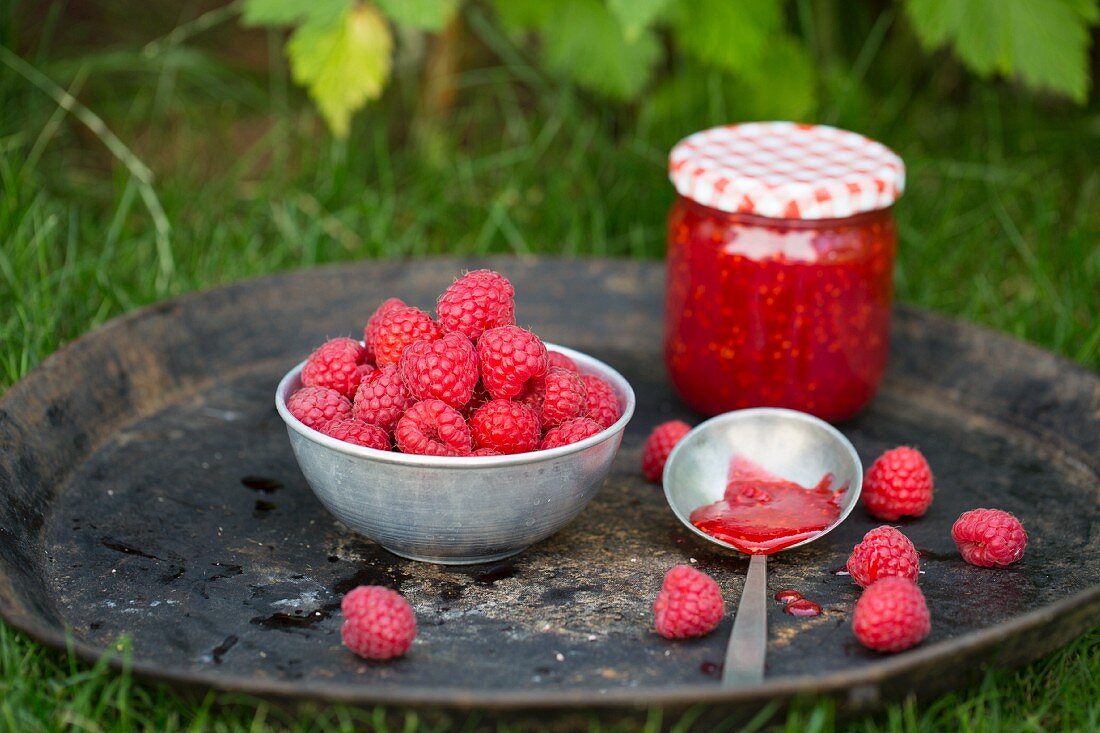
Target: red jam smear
x,y
762,513
802,608
764,312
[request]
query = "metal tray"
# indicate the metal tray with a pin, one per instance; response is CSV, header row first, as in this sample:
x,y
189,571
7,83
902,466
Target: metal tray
x,y
147,489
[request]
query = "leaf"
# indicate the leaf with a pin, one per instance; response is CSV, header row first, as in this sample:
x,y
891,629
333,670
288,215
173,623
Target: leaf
x,y
729,34
584,41
1044,42
524,15
430,15
636,16
343,64
292,12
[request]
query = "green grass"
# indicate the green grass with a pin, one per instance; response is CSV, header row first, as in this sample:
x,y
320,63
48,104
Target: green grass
x,y
220,171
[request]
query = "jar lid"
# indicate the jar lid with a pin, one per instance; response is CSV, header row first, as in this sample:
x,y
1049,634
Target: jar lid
x,y
786,170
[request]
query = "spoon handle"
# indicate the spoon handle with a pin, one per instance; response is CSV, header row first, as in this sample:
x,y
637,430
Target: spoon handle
x,y
749,638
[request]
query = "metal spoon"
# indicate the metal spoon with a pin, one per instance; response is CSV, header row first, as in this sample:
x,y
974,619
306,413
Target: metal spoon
x,y
796,446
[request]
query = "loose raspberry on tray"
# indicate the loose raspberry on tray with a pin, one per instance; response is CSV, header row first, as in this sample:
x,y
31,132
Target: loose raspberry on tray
x,y
891,616
689,604
378,622
898,484
569,432
989,538
315,406
397,328
352,430
659,444
433,428
557,397
445,369
371,329
603,403
884,552
382,398
476,302
512,359
506,427
335,364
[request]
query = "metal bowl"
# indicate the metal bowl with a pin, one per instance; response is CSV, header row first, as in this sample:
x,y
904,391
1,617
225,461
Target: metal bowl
x,y
455,510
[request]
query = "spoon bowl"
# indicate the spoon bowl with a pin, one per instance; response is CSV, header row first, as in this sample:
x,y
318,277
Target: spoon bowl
x,y
788,444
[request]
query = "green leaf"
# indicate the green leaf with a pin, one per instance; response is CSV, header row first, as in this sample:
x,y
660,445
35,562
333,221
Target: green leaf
x,y
431,15
524,15
728,34
292,12
343,64
636,16
584,41
1044,42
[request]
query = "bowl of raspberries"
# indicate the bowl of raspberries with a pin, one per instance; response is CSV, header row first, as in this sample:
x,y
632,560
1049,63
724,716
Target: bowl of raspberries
x,y
458,439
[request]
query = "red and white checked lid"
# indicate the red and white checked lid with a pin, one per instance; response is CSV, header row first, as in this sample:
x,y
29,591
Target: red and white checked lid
x,y
786,170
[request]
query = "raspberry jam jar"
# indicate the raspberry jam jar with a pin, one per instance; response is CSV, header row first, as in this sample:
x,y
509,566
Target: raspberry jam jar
x,y
780,261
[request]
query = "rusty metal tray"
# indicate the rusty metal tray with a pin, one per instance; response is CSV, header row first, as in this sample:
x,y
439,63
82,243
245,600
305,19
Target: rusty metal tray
x,y
147,489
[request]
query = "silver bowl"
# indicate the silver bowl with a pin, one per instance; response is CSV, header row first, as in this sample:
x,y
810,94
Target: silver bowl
x,y
451,510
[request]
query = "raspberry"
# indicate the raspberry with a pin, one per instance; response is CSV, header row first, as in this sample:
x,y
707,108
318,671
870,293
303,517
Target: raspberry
x,y
476,302
336,365
989,538
570,431
315,406
560,360
397,328
479,398
689,604
511,359
505,426
351,430
884,553
603,403
378,622
659,444
557,397
445,369
382,398
433,428
372,323
487,452
891,616
898,484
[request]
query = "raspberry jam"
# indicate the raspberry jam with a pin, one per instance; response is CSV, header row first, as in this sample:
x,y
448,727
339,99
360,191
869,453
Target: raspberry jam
x,y
761,513
780,260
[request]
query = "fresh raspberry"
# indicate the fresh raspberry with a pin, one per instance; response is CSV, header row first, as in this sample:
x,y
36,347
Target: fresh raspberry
x,y
382,398
659,444
336,365
315,406
505,426
891,616
445,369
378,622
603,403
397,328
989,538
351,430
487,452
479,398
570,431
372,323
511,359
898,484
557,397
884,553
476,302
689,604
433,428
560,360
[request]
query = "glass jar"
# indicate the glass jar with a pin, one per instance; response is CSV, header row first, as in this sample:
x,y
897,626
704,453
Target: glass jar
x,y
780,260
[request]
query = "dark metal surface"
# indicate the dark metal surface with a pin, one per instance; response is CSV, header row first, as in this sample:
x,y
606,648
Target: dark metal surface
x,y
147,489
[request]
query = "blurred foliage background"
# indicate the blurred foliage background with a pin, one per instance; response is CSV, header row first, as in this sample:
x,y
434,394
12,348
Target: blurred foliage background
x,y
149,149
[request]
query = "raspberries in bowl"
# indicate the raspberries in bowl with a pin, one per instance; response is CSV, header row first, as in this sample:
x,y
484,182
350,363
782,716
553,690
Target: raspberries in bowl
x,y
493,439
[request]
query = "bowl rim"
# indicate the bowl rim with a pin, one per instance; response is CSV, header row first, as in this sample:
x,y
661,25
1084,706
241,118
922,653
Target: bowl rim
x,y
582,360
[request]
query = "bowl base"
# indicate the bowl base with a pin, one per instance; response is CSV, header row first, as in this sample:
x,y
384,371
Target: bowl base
x,y
467,560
